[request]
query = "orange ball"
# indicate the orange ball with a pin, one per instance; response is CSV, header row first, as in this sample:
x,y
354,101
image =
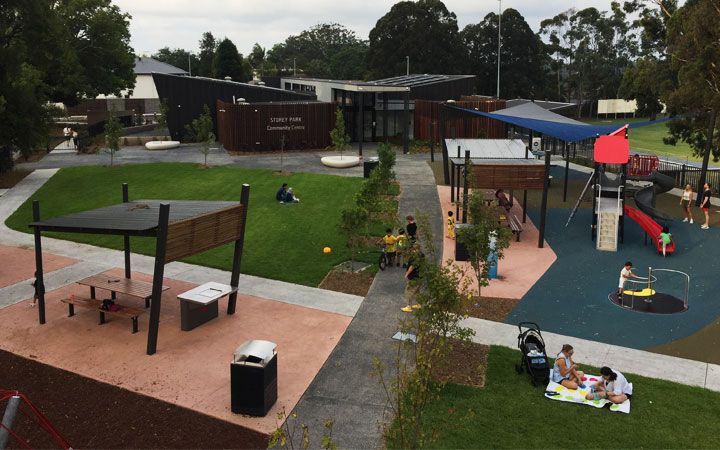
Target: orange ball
x,y
327,250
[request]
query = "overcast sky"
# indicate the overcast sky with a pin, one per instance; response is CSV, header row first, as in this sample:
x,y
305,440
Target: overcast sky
x,y
180,23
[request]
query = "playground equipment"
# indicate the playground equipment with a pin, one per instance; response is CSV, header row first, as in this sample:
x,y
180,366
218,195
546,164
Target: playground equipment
x,y
609,192
20,415
663,291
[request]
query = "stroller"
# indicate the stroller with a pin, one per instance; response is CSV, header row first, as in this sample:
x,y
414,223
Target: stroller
x,y
534,359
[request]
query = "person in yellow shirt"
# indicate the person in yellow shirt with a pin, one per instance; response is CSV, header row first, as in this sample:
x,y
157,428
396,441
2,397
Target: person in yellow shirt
x,y
401,245
390,246
450,225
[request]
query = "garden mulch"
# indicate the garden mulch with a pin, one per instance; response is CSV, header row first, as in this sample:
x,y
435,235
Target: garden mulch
x,y
348,282
492,308
91,414
466,364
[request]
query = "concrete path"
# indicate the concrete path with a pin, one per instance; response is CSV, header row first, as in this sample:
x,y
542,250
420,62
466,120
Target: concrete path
x,y
630,360
345,389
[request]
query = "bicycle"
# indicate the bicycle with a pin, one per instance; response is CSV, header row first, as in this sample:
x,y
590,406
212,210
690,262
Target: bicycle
x,y
384,259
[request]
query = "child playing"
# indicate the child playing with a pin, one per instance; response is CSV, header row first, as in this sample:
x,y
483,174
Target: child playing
x,y
625,273
401,245
390,248
450,225
665,238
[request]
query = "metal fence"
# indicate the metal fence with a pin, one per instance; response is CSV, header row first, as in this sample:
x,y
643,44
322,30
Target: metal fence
x,y
688,174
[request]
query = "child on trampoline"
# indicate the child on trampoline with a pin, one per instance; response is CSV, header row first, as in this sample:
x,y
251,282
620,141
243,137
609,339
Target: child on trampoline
x,y
625,273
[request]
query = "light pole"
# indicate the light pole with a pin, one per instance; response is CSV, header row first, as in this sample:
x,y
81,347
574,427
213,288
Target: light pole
x,y
498,62
407,65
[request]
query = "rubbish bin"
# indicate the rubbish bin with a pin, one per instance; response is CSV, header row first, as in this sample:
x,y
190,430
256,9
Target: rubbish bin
x,y
253,378
369,165
461,253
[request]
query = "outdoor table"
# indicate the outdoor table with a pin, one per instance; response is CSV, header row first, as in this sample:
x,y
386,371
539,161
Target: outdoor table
x,y
200,305
127,286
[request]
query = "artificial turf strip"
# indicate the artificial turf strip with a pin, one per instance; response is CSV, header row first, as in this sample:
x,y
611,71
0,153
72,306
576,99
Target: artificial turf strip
x,y
282,242
510,413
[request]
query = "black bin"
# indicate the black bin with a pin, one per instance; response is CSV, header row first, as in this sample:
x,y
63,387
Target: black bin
x,y
253,378
369,165
461,253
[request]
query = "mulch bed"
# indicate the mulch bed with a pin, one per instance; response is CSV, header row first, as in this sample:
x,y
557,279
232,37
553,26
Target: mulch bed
x,y
348,282
91,414
13,177
466,364
492,308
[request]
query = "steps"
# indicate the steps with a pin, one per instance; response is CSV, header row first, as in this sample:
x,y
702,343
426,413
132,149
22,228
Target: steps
x,y
607,231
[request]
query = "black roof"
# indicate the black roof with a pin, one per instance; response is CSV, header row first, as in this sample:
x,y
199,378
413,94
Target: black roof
x,y
137,218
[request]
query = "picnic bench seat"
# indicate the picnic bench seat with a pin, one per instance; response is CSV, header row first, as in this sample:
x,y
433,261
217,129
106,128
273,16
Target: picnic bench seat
x,y
515,225
93,303
114,284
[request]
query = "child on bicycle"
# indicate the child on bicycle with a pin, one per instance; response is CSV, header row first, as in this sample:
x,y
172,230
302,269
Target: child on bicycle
x,y
390,246
401,245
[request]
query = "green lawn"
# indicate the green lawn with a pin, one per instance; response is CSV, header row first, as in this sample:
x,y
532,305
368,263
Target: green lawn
x,y
282,242
649,139
509,413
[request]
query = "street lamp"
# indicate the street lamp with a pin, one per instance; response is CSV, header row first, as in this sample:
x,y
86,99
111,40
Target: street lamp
x,y
498,62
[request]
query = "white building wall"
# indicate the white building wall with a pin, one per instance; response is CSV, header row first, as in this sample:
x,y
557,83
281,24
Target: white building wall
x,y
144,88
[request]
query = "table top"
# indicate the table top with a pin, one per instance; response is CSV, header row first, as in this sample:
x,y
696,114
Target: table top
x,y
207,293
122,285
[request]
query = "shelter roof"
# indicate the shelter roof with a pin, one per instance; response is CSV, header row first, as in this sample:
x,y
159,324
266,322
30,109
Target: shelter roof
x,y
139,217
488,148
146,66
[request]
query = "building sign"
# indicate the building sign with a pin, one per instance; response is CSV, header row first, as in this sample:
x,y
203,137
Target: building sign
x,y
294,123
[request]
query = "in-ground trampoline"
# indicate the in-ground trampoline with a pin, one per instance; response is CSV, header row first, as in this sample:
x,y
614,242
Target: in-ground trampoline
x,y
663,291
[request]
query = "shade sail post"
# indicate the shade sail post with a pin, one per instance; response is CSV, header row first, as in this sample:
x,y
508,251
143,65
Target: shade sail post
x,y
158,274
237,255
126,237
39,279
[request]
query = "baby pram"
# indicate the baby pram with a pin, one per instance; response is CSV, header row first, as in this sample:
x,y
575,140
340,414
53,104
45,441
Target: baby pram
x,y
534,360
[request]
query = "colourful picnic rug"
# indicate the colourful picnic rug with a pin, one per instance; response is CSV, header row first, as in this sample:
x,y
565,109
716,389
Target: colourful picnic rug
x,y
578,395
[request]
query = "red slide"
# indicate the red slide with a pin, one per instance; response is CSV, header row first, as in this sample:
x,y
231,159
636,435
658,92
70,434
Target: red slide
x,y
652,228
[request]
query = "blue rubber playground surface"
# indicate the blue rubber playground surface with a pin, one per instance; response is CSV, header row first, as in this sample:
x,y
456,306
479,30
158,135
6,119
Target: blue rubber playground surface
x,y
571,298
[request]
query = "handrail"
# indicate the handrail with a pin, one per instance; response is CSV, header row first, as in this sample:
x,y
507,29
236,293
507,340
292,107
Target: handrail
x,y
618,210
579,200
687,282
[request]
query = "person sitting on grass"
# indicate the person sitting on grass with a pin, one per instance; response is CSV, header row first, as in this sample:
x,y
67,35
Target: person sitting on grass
x,y
281,193
390,246
290,197
613,386
503,201
565,371
665,238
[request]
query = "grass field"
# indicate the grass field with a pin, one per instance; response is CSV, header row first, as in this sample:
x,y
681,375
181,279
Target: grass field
x,y
282,242
649,139
509,413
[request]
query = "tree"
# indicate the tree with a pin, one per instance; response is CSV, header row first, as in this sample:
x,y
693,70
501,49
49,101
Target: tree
x,y
256,58
423,30
523,61
645,82
327,50
162,117
338,136
208,46
201,130
113,130
229,63
353,224
179,58
484,236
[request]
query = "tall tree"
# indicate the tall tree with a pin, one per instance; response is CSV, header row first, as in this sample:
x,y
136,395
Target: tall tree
x,y
523,60
256,58
179,58
327,50
423,30
208,46
228,62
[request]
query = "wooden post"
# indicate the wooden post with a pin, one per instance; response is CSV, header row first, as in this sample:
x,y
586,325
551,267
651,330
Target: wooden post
x,y
158,273
543,207
237,256
126,237
39,279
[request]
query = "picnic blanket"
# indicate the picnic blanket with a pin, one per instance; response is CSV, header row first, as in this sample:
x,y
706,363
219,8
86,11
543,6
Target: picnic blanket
x,y
578,395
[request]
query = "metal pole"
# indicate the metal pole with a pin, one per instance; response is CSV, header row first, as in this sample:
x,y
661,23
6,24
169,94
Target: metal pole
x,y
39,280
446,167
524,204
126,237
498,55
158,273
452,182
189,66
465,186
235,276
406,122
432,142
407,62
385,117
8,419
567,171
543,207
362,122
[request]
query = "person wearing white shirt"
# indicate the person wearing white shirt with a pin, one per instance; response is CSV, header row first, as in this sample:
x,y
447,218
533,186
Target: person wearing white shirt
x,y
613,386
625,273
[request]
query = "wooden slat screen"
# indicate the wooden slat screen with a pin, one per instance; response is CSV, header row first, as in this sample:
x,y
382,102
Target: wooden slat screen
x,y
458,124
191,236
508,176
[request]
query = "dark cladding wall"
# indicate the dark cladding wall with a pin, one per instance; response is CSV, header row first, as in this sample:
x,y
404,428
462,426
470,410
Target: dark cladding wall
x,y
271,126
451,89
186,97
458,125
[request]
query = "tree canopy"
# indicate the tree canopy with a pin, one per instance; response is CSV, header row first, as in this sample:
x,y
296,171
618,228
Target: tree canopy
x,y
228,62
423,30
179,58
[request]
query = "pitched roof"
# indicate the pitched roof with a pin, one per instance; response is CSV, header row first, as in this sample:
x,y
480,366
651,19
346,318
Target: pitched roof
x,y
146,66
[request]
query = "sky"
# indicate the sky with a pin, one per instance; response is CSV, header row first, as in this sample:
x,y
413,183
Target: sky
x,y
180,23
